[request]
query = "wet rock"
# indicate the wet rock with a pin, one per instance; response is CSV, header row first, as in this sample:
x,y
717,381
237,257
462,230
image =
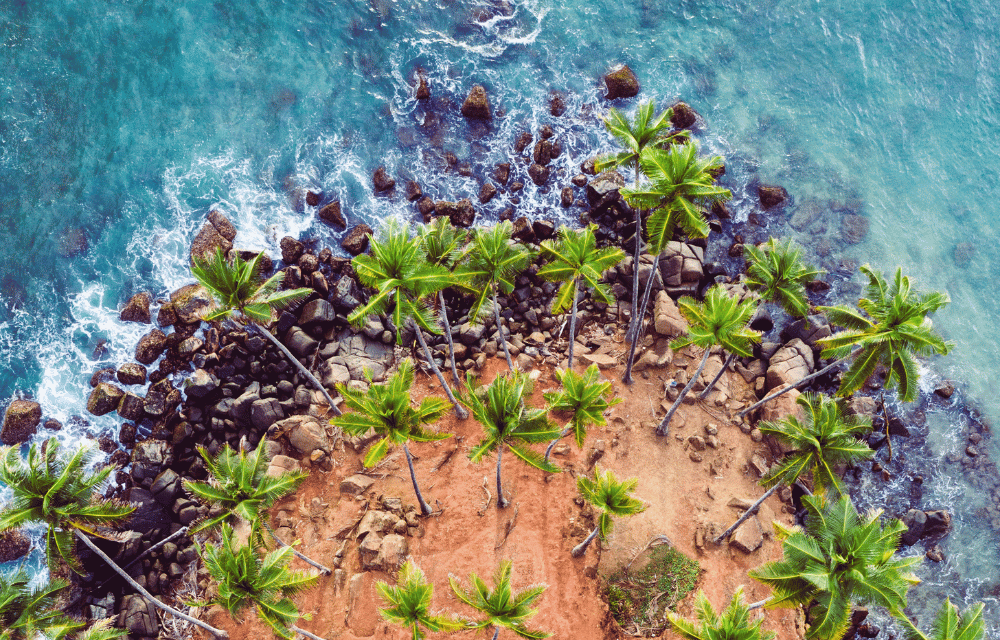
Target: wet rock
x,y
523,140
477,104
621,82
423,91
771,195
291,250
103,399
853,228
543,152
356,240
539,174
543,229
461,213
413,191
945,389
332,215
200,384
382,181
13,545
132,407
190,303
935,553
557,104
487,193
915,521
138,617
151,346
809,330
684,116
149,457
137,309
317,314
207,242
165,315
502,172
566,196
602,191
20,421
938,523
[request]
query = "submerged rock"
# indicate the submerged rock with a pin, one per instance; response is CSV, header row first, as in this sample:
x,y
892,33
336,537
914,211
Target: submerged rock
x,y
771,195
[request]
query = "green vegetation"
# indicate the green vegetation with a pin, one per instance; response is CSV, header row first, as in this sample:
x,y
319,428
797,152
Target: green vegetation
x,y
585,398
501,606
613,498
410,603
776,272
732,624
641,600
950,625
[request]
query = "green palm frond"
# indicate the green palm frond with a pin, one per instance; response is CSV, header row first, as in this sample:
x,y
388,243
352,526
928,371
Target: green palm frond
x,y
776,272
950,625
646,130
721,319
574,257
501,606
493,260
733,624
611,496
102,630
442,243
584,397
408,603
28,612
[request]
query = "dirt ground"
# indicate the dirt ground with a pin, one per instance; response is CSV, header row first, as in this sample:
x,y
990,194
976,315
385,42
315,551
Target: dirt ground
x,y
542,523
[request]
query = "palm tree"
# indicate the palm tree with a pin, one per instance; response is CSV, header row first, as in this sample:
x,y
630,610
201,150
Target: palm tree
x,y
101,630
243,295
62,493
492,262
28,612
646,131
585,398
950,625
242,490
612,497
777,273
501,605
409,603
681,189
720,321
840,559
245,579
575,258
385,409
733,624
889,328
506,422
824,439
402,280
442,244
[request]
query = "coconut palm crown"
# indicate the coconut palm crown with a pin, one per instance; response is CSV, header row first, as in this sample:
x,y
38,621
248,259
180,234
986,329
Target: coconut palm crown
x,y
732,624
442,244
28,612
60,491
409,603
648,129
386,410
840,559
950,625
891,328
501,606
613,498
584,397
776,272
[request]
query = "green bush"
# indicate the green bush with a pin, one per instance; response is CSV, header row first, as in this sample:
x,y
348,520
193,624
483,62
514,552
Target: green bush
x,y
639,600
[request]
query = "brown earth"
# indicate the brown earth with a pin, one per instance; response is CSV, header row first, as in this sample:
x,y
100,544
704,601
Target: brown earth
x,y
541,525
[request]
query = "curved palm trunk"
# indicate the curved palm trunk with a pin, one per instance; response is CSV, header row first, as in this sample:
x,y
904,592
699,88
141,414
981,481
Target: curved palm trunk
x,y
459,409
218,633
501,501
718,376
749,512
503,339
640,314
496,632
305,372
630,335
324,569
451,342
572,326
548,449
785,389
664,426
304,632
759,603
581,548
424,507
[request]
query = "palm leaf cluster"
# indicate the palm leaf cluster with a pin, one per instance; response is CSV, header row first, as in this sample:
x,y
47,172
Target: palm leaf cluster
x,y
776,272
584,397
647,130
732,624
502,606
409,603
575,257
950,625
719,320
493,261
840,558
247,578
60,491
891,328
612,497
28,612
238,287
442,242
823,439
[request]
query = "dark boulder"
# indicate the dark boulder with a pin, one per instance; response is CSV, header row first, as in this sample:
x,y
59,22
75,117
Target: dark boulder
x,y
356,240
190,303
265,412
523,231
477,104
132,373
771,195
602,191
413,191
291,250
165,315
915,520
502,173
151,346
166,486
332,215
313,198
382,181
222,224
149,458
557,104
104,399
137,309
487,192
346,295
566,196
299,342
131,407
938,523
207,242
684,116
461,213
317,314
539,174
20,421
426,208
544,229
423,91
543,152
13,545
621,83
521,143
200,384
809,330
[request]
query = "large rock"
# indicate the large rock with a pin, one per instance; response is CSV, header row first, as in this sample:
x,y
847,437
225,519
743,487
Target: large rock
x,y
265,412
166,487
13,545
138,617
461,213
200,384
667,318
20,421
317,314
346,294
131,373
299,342
291,250
137,308
602,191
190,303
356,240
853,228
132,407
782,406
207,242
789,364
333,216
149,457
749,537
151,346
361,353
104,399
382,181
809,330
682,264
304,433
356,485
539,174
915,520
222,224
392,553
621,83
771,195
684,116
477,104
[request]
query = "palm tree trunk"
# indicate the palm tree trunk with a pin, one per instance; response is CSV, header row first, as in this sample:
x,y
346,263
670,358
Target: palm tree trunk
x,y
501,501
789,387
451,342
711,385
665,425
324,569
572,327
749,512
632,327
503,340
459,409
218,633
424,507
496,632
305,372
759,603
304,632
548,449
581,548
640,314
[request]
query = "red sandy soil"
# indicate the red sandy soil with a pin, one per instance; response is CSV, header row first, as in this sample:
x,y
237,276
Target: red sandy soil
x,y
542,524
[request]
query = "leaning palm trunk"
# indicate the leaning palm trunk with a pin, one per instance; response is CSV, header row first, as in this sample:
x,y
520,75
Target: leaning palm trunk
x,y
632,328
302,369
664,426
459,409
789,387
581,548
304,632
503,340
759,603
425,509
218,633
572,327
501,501
711,385
451,342
639,315
749,512
548,449
324,569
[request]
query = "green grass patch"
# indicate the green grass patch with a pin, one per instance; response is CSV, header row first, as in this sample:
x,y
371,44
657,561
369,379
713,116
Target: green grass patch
x,y
639,600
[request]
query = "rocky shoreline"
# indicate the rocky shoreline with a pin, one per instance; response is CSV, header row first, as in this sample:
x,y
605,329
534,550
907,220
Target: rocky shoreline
x,y
214,385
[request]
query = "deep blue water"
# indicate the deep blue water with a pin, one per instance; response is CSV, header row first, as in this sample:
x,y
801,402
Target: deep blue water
x,y
124,121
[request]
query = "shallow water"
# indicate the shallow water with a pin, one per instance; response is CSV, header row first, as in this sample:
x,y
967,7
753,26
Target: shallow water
x,y
124,122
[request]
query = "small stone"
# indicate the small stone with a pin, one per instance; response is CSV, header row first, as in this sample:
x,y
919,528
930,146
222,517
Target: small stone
x,y
356,484
696,456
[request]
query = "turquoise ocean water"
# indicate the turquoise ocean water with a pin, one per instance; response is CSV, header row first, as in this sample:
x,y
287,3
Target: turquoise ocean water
x,y
122,122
